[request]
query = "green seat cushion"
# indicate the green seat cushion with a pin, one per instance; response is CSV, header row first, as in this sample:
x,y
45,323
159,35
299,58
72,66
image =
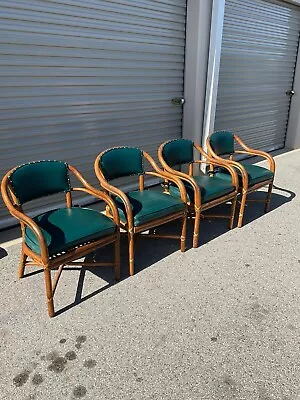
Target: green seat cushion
x,y
65,228
149,205
255,173
211,188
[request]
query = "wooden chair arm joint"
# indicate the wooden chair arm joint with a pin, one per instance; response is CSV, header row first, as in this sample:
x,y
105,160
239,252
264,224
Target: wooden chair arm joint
x,y
233,173
102,196
26,220
242,171
123,197
190,180
257,153
167,176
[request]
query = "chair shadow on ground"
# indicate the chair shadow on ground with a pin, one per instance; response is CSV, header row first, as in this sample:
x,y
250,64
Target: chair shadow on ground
x,y
149,251
3,253
255,210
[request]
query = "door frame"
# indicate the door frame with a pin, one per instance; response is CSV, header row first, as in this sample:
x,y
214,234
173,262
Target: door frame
x,y
292,139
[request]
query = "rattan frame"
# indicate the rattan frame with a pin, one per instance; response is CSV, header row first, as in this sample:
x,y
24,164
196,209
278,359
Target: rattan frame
x,y
129,227
245,189
197,207
59,261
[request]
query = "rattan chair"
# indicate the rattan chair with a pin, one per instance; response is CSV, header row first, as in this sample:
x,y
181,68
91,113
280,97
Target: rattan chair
x,y
57,237
251,177
204,191
143,209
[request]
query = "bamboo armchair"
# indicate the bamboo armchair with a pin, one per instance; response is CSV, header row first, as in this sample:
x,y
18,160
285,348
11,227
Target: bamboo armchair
x,y
203,191
251,177
57,238
140,210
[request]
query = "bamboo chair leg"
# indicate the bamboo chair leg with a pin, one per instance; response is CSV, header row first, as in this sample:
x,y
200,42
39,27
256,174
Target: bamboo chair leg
x,y
268,199
49,293
233,207
117,258
131,253
242,209
196,228
183,233
22,265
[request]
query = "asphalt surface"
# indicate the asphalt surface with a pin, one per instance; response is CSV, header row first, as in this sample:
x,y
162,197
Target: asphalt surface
x,y
218,322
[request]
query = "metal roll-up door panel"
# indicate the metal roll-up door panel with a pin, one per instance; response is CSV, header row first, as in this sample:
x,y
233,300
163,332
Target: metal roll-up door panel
x,y
258,59
79,77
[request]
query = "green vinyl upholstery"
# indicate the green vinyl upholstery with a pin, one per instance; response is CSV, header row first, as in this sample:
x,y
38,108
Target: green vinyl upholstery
x,y
178,152
121,161
255,173
222,142
211,188
149,205
65,228
41,178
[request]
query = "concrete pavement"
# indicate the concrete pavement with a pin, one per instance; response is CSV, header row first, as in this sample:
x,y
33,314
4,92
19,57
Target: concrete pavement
x,y
218,322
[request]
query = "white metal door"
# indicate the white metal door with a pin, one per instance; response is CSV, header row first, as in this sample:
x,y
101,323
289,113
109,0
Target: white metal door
x,y
258,58
77,77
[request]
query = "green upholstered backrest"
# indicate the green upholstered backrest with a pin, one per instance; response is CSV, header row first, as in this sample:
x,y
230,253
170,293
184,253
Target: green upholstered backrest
x,y
37,179
178,152
222,142
121,161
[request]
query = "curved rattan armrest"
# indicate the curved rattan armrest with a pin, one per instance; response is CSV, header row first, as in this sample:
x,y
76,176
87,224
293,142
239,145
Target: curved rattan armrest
x,y
259,153
23,218
235,164
165,175
242,170
219,163
96,193
106,199
191,181
181,175
114,190
35,229
254,152
169,177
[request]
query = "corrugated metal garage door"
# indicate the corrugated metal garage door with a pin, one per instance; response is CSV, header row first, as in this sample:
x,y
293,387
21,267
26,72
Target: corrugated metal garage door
x,y
77,77
258,58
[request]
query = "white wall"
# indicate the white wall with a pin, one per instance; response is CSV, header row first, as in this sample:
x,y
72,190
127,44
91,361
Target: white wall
x,y
196,60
